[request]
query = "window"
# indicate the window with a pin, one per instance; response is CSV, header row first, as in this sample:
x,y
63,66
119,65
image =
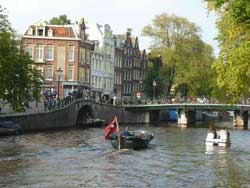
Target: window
x,y
87,75
70,73
50,33
50,53
48,75
71,53
88,57
39,54
40,32
82,56
82,74
29,51
30,31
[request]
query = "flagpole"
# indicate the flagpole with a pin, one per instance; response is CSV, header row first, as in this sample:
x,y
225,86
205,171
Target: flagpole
x,y
119,136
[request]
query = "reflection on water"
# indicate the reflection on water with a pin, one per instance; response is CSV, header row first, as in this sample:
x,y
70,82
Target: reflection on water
x,y
82,158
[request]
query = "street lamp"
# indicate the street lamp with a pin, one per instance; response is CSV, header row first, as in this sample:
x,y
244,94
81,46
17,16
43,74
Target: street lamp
x,y
140,86
59,73
154,85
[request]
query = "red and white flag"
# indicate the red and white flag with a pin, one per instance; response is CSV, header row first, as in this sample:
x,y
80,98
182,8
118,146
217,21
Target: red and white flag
x,y
112,127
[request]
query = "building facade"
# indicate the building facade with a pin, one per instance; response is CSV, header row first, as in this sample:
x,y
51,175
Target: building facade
x,y
57,51
102,67
133,66
118,74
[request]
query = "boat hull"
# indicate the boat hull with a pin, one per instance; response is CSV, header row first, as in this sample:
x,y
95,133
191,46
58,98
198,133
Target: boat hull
x,y
135,144
132,140
218,142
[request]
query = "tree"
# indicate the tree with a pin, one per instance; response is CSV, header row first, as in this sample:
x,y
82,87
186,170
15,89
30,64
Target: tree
x,y
19,83
153,75
239,9
185,56
232,64
60,20
4,23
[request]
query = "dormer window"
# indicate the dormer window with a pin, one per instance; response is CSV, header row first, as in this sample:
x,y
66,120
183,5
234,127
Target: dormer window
x,y
50,33
40,32
30,31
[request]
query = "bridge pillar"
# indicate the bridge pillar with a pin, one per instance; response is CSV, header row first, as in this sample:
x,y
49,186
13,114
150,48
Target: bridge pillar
x,y
240,120
147,117
185,117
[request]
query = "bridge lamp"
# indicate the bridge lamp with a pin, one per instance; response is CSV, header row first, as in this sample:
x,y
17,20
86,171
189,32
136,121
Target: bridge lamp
x,y
59,74
140,85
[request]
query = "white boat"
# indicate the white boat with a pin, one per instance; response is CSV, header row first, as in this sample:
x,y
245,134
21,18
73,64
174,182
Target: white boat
x,y
223,140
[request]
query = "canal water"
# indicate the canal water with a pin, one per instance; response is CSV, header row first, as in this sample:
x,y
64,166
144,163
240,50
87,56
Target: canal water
x,y
82,158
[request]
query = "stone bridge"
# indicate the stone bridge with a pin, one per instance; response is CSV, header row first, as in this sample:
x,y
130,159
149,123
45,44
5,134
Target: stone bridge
x,y
75,113
187,112
80,110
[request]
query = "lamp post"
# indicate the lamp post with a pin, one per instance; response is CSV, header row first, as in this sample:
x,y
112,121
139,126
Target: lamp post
x,y
140,86
59,73
154,85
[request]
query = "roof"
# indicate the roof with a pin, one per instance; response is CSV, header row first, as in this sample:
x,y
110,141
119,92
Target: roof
x,y
62,31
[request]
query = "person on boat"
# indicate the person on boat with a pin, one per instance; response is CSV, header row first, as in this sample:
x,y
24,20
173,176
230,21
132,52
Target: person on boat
x,y
224,133
213,131
127,132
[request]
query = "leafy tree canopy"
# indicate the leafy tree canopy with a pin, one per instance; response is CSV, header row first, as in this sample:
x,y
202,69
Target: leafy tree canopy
x,y
232,65
60,20
186,58
19,83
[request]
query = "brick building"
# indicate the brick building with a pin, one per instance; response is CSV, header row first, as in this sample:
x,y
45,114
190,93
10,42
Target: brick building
x,y
61,53
133,66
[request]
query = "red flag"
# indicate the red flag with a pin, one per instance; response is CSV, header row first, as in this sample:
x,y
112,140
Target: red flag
x,y
112,127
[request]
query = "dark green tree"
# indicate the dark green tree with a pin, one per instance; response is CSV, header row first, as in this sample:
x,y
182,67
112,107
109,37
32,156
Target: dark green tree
x,y
60,20
153,70
19,82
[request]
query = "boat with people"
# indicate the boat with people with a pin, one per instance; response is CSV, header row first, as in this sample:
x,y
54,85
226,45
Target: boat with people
x,y
223,138
137,139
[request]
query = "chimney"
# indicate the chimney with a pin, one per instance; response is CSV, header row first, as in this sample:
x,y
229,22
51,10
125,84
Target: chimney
x,y
129,30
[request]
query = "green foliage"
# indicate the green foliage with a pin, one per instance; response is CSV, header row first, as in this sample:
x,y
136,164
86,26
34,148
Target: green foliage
x,y
4,23
19,83
232,65
186,58
60,20
152,75
239,9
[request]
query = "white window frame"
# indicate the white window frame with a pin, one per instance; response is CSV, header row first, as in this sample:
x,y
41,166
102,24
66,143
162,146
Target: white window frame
x,y
45,73
30,31
50,33
71,59
32,51
72,78
52,54
39,54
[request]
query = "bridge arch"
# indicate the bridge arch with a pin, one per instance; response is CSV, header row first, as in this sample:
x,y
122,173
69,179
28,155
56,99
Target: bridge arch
x,y
86,112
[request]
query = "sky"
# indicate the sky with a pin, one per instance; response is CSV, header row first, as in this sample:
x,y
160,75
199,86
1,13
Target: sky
x,y
119,14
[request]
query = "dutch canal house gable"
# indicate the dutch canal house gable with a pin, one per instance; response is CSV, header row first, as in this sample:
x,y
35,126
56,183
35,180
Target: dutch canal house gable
x,y
102,67
118,69
59,47
134,65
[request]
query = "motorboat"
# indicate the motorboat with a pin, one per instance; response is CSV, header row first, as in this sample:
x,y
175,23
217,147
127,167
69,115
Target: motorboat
x,y
10,128
223,140
138,139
